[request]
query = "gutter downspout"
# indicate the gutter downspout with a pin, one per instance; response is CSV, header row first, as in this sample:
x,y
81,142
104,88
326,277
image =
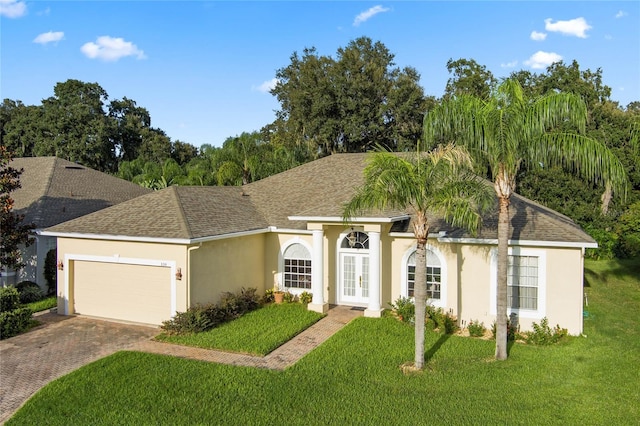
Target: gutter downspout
x,y
189,273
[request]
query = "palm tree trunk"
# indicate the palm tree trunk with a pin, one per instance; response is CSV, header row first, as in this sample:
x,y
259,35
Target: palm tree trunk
x,y
421,231
420,295
501,293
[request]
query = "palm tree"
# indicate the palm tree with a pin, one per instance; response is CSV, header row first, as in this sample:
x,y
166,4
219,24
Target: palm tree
x,y
507,130
439,181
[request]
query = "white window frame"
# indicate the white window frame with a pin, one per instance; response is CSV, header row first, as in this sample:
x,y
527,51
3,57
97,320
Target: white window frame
x,y
439,303
280,275
539,313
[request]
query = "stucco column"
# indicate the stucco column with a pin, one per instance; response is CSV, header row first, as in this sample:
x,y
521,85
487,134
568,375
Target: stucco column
x,y
318,303
374,309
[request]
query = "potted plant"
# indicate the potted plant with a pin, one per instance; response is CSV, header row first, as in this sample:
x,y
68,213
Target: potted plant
x,y
278,294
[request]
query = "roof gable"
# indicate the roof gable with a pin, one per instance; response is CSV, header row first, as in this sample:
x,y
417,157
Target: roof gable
x,y
177,212
54,190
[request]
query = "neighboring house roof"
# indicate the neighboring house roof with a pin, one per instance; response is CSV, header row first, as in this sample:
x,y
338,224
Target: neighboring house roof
x,y
316,189
54,190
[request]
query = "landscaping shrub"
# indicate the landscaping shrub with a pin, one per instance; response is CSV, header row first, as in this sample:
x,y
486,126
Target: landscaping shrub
x,y
30,294
476,328
512,331
14,322
441,320
201,318
9,299
404,309
237,304
26,284
305,297
193,320
542,334
288,297
268,296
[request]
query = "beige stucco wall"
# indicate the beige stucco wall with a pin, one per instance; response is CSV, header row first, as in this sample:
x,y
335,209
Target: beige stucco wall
x,y
255,261
226,265
560,290
70,247
275,244
469,293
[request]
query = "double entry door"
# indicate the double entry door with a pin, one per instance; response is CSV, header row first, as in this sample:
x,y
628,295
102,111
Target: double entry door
x,y
354,278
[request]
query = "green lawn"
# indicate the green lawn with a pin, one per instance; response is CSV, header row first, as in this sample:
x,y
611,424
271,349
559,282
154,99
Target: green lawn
x,y
258,332
354,378
44,304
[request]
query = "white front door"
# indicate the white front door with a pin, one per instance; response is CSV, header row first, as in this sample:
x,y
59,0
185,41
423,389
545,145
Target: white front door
x,y
354,278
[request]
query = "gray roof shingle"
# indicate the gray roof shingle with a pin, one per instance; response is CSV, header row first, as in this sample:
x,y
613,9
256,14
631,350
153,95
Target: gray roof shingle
x,y
54,190
316,189
177,212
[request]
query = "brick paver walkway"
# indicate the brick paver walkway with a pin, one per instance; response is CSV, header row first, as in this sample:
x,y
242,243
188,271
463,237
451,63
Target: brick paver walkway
x,y
63,344
281,358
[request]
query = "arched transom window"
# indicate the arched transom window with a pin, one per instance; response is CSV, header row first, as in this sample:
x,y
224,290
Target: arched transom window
x,y
434,275
355,240
297,267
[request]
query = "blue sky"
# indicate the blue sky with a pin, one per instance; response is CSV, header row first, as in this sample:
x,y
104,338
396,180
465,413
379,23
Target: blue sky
x,y
203,68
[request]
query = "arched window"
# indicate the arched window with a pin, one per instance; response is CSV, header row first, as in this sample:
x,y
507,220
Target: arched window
x,y
297,267
434,276
355,240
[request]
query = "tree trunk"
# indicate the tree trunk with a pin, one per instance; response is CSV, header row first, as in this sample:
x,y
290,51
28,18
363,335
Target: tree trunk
x,y
421,231
501,293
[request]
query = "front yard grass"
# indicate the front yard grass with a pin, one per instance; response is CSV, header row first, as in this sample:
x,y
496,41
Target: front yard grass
x,y
258,332
44,304
354,378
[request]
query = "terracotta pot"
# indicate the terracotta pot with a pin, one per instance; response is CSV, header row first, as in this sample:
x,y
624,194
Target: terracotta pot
x,y
278,296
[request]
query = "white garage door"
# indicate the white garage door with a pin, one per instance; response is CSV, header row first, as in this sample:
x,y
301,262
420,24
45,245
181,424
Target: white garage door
x,y
136,293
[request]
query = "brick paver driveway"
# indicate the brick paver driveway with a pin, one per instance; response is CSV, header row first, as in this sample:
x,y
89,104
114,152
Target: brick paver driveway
x,y
61,345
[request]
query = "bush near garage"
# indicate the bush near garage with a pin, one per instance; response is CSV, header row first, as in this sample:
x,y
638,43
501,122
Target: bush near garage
x,y
14,318
29,292
201,318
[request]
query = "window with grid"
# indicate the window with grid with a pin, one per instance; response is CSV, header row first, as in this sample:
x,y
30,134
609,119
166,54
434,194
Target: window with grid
x,y
434,275
522,282
297,267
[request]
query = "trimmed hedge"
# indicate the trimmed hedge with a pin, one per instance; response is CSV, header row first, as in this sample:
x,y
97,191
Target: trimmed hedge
x,y
9,299
201,318
14,322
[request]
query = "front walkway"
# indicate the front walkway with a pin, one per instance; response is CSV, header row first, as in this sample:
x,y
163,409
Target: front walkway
x,y
281,358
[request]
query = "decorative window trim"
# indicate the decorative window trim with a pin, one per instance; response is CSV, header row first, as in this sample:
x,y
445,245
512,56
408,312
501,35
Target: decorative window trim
x,y
440,303
280,274
539,313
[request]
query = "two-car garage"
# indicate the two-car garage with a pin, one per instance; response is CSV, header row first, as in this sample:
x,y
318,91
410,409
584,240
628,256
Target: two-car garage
x,y
125,289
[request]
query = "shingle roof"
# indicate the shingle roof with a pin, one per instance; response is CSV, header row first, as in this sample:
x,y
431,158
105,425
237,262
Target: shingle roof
x,y
316,189
54,190
177,212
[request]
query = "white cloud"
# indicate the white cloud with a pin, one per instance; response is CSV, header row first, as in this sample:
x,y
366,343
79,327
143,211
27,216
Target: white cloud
x,y
267,86
368,14
44,12
538,36
573,27
511,64
111,49
13,8
49,37
621,14
541,60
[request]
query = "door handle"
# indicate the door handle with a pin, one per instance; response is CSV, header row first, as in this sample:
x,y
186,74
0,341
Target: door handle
x,y
360,281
